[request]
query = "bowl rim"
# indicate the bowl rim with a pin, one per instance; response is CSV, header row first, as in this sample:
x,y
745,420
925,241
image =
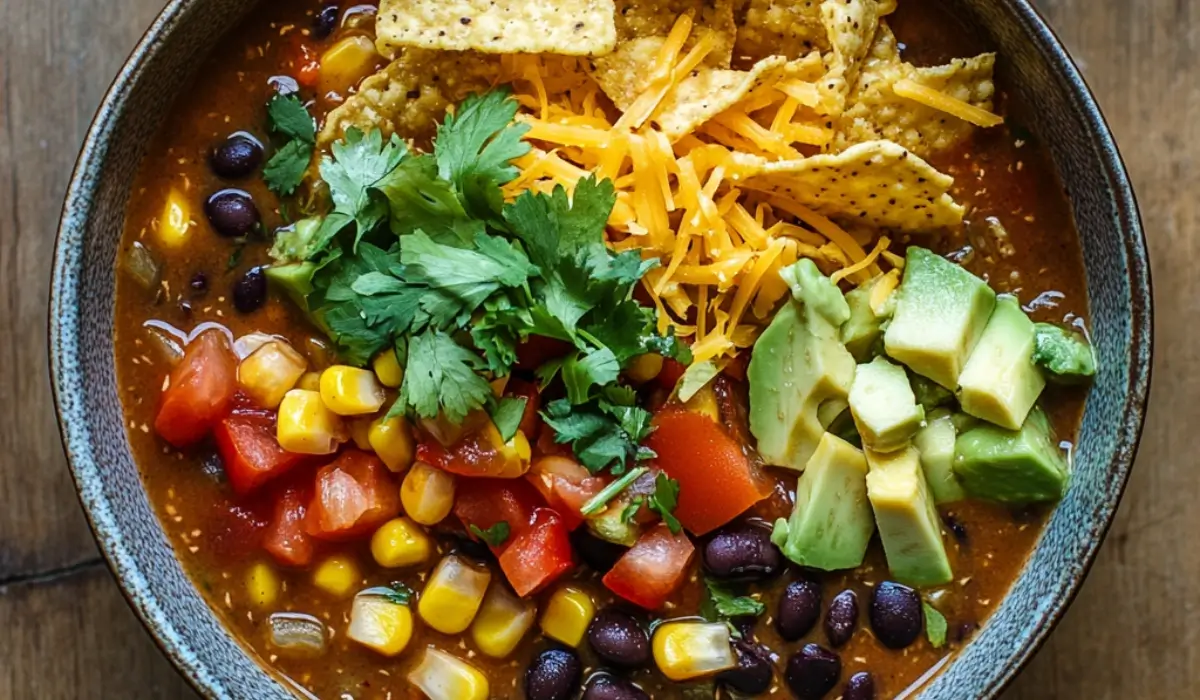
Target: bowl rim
x,y
94,149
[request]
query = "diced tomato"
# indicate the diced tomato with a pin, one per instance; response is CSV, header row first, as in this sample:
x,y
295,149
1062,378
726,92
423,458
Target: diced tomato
x,y
354,495
537,350
307,63
717,481
479,453
653,569
738,365
565,485
251,454
285,537
200,391
485,502
235,529
547,446
537,557
671,372
531,422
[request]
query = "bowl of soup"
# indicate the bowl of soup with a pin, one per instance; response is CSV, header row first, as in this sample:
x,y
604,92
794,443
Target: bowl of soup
x,y
553,350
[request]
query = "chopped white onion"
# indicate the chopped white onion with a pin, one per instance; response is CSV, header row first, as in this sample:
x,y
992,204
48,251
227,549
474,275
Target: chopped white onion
x,y
298,632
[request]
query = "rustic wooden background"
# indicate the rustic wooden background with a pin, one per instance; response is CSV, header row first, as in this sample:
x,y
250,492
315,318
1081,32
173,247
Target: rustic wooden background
x,y
65,631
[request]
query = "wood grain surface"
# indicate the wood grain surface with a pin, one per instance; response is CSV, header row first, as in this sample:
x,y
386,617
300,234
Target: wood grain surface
x,y
65,631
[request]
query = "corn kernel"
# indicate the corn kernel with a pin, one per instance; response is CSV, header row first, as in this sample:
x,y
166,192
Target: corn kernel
x,y
360,432
306,426
337,576
392,440
644,368
401,542
502,622
380,624
347,62
688,649
350,391
453,595
499,384
427,494
310,381
176,220
513,456
262,585
568,615
388,370
444,677
270,372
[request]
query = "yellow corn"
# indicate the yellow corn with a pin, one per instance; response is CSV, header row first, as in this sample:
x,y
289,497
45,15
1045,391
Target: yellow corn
x,y
270,372
360,431
337,576
644,368
392,440
262,585
350,391
347,62
690,649
380,624
176,220
306,426
427,494
388,370
401,542
310,381
515,453
568,615
502,622
453,595
444,677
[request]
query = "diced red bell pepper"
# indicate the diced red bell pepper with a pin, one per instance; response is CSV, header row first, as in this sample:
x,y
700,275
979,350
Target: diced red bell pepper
x,y
539,556
485,502
354,495
717,481
566,486
653,569
531,421
250,452
200,391
672,371
285,537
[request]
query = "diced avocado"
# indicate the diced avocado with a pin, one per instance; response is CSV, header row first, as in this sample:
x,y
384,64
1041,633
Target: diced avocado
x,y
799,364
864,328
294,279
296,243
1000,382
829,411
1012,466
908,522
831,523
1064,355
935,443
609,526
929,393
843,426
883,405
941,310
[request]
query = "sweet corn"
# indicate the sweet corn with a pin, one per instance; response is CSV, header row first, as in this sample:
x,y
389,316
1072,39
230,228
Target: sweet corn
x,y
262,585
347,62
690,649
337,576
401,542
306,426
350,391
499,384
176,220
270,372
392,440
388,370
453,595
502,622
360,432
444,677
513,456
427,494
310,381
568,615
644,368
380,624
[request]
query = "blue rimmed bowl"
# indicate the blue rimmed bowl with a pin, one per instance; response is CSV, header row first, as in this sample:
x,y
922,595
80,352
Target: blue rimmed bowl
x,y
84,378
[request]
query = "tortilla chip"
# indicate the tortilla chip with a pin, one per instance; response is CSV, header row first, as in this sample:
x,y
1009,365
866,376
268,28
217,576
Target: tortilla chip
x,y
411,94
879,184
574,27
875,112
705,94
789,28
851,26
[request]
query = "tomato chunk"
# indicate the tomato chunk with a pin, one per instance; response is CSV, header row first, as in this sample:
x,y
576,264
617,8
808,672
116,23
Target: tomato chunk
x,y
485,502
354,495
717,481
251,454
480,453
200,391
566,486
672,371
537,350
540,555
653,569
285,538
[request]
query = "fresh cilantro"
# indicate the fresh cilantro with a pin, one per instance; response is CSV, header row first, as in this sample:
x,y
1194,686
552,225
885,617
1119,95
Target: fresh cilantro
x,y
290,117
285,170
441,376
475,147
664,500
358,165
632,509
600,501
601,433
235,256
722,603
935,626
696,378
580,374
494,536
398,593
507,415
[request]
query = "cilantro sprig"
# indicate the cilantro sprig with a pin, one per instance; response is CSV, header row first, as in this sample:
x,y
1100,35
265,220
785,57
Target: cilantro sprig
x,y
289,117
495,535
722,603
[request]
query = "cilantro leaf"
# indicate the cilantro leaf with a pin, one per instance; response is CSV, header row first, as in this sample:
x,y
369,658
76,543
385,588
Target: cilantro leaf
x,y
497,332
440,375
475,147
664,500
935,626
632,509
284,172
398,593
290,117
467,277
358,165
507,415
418,200
581,373
596,435
494,536
722,603
598,502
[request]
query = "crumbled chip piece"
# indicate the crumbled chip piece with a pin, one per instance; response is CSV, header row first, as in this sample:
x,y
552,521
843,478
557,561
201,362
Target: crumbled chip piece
x,y
851,26
703,95
878,183
574,27
790,28
874,112
624,74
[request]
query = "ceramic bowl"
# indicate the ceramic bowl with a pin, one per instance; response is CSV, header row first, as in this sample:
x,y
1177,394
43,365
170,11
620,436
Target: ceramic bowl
x,y
1037,69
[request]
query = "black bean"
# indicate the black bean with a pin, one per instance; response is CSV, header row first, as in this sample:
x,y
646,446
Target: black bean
x,y
861,686
236,157
742,552
842,618
812,672
199,282
553,675
895,614
595,552
232,213
799,609
325,21
753,674
250,292
618,638
955,526
606,687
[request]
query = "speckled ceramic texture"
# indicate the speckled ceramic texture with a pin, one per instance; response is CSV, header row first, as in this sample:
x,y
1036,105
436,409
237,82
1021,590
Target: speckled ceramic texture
x,y
81,330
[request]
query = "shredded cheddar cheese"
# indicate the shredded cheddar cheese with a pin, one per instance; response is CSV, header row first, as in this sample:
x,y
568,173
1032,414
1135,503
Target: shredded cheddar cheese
x,y
942,102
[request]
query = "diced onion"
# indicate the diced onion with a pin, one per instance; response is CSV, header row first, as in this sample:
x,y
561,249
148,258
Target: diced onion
x,y
297,632
141,265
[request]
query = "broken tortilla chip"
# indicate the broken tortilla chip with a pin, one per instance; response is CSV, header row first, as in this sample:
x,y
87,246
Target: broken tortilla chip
x,y
789,28
851,26
573,27
705,94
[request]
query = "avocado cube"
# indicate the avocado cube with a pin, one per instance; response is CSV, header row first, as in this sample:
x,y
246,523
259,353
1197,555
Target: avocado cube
x,y
935,443
863,330
1012,466
1000,382
831,524
941,310
1064,355
884,408
294,279
610,526
907,519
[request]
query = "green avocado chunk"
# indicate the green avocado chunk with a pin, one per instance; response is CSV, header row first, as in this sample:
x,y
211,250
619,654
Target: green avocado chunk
x,y
831,524
1012,466
883,405
1064,355
798,365
1000,383
294,279
941,310
907,519
935,443
609,526
929,393
863,330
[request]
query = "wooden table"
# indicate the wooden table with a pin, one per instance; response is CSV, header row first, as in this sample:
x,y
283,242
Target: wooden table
x,y
65,631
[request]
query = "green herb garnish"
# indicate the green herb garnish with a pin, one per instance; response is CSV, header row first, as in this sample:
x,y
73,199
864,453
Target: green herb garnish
x,y
664,500
507,414
495,535
722,603
397,593
598,502
285,170
935,626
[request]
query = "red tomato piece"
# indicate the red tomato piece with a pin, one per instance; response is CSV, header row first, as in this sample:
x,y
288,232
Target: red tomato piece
x,y
671,372
200,391
285,538
235,530
478,454
308,65
531,421
717,481
354,495
485,502
653,569
539,556
566,486
251,454
537,350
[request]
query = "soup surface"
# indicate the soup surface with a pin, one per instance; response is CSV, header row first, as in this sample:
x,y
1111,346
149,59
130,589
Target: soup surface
x,y
343,530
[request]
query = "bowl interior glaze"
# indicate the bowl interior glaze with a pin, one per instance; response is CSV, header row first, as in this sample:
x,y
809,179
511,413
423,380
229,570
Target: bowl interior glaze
x,y
1038,71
